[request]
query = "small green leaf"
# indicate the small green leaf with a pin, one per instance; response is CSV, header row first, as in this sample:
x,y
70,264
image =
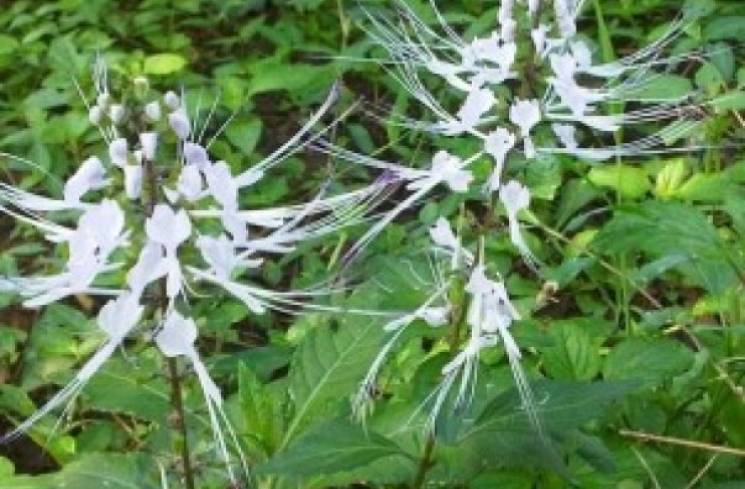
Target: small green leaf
x,y
244,135
575,355
164,64
629,181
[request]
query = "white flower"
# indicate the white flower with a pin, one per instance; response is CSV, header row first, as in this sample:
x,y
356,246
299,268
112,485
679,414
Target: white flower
x,y
498,145
190,183
133,181
195,154
446,168
91,175
478,102
567,134
526,114
167,227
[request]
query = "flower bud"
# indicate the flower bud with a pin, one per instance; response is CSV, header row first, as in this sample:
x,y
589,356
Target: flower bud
x,y
172,100
133,181
95,114
180,124
141,86
116,113
118,152
152,111
149,143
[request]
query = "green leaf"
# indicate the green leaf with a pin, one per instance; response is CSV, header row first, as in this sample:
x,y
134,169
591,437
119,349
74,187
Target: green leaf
x,y
661,229
629,181
244,135
164,64
262,414
93,471
328,366
649,360
563,406
725,28
576,356
336,446
269,77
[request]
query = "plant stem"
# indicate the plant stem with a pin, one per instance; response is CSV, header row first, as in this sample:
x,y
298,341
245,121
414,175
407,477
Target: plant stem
x,y
425,463
177,402
178,405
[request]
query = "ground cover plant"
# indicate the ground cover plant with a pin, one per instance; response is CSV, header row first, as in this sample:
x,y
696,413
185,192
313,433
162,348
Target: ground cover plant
x,y
379,244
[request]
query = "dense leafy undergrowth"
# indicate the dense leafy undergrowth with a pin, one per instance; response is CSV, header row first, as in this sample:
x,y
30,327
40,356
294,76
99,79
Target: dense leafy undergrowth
x,y
633,335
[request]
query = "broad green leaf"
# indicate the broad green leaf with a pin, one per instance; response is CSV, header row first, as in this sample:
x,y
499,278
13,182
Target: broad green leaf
x,y
562,406
261,412
660,229
722,28
163,64
670,178
269,77
94,471
244,134
336,446
575,356
328,366
662,87
649,360
629,181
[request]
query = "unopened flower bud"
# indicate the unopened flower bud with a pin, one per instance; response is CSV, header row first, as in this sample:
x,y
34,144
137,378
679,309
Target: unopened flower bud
x,y
196,155
152,111
180,124
149,143
116,113
133,181
172,100
95,114
118,152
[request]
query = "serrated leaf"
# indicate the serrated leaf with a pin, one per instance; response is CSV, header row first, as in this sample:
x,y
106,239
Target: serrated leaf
x,y
575,357
328,366
336,446
650,360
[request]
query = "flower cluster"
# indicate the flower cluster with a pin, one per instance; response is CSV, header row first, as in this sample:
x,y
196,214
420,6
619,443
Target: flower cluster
x,y
518,106
144,210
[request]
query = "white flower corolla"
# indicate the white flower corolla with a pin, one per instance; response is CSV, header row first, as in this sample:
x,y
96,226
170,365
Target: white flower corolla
x,y
172,100
190,184
133,180
180,124
153,111
565,18
150,266
220,254
195,154
169,229
567,135
515,197
119,152
498,145
448,169
99,232
478,102
149,144
444,238
176,339
91,175
533,6
222,185
526,114
539,36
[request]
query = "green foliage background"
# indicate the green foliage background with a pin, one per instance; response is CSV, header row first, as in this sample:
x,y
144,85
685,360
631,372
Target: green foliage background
x,y
641,328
